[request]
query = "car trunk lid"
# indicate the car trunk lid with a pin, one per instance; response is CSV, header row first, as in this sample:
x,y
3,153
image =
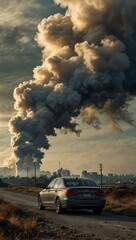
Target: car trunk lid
x,y
85,193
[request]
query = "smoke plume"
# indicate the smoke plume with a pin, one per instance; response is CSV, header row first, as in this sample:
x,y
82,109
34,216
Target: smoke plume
x,y
88,69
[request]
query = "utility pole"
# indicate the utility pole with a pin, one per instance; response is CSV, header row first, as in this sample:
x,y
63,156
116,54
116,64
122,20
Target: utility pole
x,y
27,169
35,162
101,168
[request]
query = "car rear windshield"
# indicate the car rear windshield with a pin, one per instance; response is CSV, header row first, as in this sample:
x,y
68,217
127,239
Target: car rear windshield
x,y
79,183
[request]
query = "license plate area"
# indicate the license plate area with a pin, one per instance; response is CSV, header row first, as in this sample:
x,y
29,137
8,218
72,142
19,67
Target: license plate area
x,y
87,195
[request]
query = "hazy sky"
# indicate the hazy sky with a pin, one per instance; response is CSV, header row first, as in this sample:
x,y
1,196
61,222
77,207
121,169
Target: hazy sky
x,y
19,54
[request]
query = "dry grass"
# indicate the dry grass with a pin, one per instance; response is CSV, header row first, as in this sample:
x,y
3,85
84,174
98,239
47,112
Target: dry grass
x,y
121,200
126,206
15,224
32,190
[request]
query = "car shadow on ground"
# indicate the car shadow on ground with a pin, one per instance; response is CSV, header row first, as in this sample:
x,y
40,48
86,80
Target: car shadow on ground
x,y
106,216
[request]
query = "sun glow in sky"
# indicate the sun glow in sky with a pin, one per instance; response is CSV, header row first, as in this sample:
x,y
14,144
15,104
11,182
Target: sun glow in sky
x,y
20,53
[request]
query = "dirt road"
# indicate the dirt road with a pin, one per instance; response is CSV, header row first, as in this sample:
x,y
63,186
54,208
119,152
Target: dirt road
x,y
105,227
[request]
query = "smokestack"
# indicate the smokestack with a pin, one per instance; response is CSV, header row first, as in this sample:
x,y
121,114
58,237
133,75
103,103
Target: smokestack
x,y
88,69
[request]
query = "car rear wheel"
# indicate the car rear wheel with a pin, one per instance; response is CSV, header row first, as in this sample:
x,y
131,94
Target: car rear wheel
x,y
40,205
97,210
59,209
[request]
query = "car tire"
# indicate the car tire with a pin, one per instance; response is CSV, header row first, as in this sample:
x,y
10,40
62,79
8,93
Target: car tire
x,y
97,210
59,209
40,205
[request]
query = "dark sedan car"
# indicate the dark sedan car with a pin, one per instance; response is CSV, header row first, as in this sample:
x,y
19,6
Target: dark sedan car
x,y
72,193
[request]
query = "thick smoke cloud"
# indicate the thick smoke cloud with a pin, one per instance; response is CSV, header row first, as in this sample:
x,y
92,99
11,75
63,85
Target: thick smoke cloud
x,y
88,69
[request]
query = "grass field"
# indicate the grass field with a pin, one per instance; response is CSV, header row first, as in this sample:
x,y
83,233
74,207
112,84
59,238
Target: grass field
x,y
121,199
14,220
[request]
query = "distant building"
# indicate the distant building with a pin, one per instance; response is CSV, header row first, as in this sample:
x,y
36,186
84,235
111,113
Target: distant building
x,y
92,175
6,172
75,175
85,174
95,177
64,172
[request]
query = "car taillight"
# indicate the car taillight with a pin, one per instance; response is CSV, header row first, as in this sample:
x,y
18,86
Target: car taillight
x,y
71,192
100,193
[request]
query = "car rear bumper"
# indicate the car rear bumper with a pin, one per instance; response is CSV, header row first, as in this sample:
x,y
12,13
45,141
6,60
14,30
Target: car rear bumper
x,y
79,204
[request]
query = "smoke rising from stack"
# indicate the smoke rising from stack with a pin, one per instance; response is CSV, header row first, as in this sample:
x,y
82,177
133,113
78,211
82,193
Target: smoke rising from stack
x,y
88,69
